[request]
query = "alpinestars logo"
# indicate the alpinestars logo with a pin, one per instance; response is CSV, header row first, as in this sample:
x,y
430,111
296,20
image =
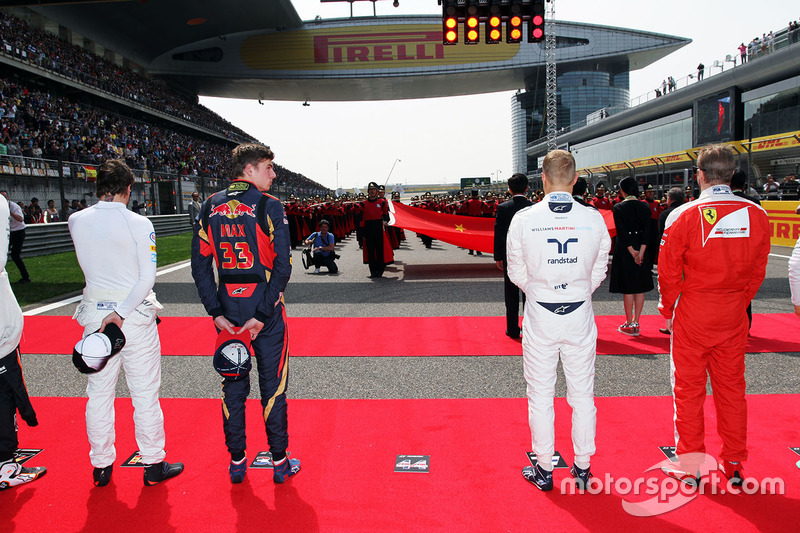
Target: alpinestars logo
x,y
240,290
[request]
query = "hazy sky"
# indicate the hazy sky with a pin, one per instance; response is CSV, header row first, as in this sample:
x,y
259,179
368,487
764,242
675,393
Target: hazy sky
x,y
365,138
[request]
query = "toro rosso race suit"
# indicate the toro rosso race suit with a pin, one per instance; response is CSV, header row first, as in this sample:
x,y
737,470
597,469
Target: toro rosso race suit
x,y
246,233
557,253
712,261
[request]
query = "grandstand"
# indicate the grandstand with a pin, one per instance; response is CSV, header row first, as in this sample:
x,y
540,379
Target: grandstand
x,y
64,109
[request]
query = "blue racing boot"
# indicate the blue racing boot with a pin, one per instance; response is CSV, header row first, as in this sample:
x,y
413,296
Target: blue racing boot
x,y
285,470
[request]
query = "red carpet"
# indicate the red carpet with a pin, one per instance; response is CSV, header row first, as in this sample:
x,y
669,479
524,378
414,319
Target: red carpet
x,y
416,336
348,448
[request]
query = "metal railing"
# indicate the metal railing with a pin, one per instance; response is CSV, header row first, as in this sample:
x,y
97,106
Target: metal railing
x,y
157,192
46,239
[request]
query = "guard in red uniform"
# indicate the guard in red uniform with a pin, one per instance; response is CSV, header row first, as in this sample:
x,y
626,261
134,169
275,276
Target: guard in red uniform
x,y
430,204
713,256
655,210
374,211
601,201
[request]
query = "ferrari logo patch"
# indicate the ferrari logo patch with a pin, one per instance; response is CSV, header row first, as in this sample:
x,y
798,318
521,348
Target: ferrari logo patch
x,y
710,214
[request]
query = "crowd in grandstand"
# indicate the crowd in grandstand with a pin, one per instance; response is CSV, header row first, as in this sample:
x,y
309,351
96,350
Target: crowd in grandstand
x,y
35,123
49,52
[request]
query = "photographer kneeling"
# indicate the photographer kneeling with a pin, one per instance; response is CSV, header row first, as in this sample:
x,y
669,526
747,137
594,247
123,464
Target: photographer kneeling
x,y
322,248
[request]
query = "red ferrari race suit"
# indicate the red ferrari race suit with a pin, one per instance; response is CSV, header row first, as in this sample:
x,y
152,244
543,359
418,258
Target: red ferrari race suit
x,y
712,261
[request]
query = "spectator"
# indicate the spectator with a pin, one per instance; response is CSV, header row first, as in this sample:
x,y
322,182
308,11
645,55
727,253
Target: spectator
x,y
789,188
700,71
35,214
16,237
194,208
771,189
51,213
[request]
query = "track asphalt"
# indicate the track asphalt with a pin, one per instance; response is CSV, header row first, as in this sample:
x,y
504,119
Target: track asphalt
x,y
441,281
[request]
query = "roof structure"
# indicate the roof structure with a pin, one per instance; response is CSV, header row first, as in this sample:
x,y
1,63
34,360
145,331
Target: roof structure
x,y
257,49
142,30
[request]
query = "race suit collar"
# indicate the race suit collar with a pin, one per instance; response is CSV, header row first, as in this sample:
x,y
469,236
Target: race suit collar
x,y
716,190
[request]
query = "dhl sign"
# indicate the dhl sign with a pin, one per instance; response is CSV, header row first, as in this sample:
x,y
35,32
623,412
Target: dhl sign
x,y
788,140
639,163
367,47
681,157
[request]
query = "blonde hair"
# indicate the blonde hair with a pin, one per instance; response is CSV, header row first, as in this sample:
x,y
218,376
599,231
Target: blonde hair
x,y
559,165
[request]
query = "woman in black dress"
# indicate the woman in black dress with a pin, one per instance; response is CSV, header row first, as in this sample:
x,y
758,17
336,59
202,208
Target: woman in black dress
x,y
630,269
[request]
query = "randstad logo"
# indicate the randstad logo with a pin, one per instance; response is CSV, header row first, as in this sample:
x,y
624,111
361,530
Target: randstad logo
x,y
233,209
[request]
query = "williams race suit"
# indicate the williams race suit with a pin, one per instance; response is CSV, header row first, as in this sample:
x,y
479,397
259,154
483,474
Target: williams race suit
x,y
246,233
557,253
713,256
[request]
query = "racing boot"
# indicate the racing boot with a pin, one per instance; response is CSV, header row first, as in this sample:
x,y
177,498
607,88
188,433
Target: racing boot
x,y
13,474
539,477
285,469
102,476
156,473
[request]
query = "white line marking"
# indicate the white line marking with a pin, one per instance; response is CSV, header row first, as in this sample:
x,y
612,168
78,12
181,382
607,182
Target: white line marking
x,y
56,305
50,307
781,256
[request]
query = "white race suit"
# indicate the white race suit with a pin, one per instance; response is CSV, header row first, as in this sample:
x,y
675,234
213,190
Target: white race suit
x,y
557,252
116,249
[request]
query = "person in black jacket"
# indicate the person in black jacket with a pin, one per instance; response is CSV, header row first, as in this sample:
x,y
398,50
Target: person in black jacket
x,y
517,185
738,186
631,267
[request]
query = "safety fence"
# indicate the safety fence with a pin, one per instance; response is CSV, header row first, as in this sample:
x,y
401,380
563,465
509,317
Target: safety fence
x,y
45,239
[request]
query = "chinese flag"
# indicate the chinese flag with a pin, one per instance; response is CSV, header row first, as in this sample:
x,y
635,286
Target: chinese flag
x,y
472,233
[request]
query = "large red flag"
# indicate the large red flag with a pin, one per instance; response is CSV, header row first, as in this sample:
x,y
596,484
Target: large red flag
x,y
473,233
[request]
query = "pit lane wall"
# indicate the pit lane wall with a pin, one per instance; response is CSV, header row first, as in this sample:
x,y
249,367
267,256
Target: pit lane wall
x,y
784,223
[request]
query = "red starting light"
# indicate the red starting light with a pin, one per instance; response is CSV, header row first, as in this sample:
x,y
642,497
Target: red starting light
x,y
493,32
536,23
472,35
514,29
450,30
